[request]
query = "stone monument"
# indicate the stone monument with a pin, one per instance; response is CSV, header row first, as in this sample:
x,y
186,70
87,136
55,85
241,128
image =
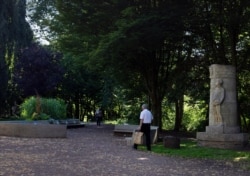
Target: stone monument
x,y
223,130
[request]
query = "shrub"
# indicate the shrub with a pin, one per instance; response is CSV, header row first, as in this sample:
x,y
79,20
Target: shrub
x,y
36,108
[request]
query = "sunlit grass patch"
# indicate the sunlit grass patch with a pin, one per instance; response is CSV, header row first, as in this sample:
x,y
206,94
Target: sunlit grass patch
x,y
190,149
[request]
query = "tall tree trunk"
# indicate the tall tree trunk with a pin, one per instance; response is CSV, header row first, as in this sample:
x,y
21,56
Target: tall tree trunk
x,y
179,113
157,113
77,105
4,83
156,102
69,109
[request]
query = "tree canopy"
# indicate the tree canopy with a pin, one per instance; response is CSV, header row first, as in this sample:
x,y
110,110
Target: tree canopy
x,y
37,71
154,51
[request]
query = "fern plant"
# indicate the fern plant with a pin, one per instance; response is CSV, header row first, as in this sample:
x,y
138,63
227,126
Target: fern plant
x,y
37,108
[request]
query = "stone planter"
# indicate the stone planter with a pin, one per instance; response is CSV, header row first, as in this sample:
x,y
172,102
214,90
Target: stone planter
x,y
32,130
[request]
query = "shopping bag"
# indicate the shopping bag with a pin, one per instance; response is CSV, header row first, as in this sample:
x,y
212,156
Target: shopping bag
x,y
138,137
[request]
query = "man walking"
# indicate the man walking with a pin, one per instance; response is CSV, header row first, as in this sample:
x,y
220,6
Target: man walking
x,y
146,118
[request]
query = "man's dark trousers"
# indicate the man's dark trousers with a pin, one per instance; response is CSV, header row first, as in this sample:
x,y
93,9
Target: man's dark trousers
x,y
146,131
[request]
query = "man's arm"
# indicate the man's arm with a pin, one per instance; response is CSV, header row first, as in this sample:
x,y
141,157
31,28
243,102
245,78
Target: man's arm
x,y
140,125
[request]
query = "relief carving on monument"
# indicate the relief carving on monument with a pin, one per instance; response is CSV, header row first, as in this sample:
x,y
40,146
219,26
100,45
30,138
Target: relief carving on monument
x,y
218,95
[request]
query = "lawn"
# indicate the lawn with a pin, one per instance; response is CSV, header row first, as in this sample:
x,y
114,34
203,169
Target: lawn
x,y
189,149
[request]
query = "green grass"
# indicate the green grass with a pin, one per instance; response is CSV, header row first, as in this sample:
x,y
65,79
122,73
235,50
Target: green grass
x,y
189,149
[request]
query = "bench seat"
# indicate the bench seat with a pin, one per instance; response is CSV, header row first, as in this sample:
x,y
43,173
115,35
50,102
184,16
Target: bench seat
x,y
124,130
72,123
128,130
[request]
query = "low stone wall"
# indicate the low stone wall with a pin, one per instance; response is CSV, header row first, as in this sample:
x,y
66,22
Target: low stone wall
x,y
32,130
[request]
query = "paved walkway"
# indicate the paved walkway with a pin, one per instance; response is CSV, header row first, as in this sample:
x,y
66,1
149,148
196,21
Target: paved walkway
x,y
94,151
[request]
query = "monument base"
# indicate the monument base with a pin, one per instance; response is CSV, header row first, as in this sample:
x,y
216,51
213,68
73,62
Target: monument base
x,y
223,141
220,129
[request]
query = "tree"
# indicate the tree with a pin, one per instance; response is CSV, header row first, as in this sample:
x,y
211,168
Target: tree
x,y
148,46
141,39
81,88
15,33
37,71
159,48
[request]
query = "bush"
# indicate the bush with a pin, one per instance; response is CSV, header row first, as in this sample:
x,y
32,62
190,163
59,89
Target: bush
x,y
36,108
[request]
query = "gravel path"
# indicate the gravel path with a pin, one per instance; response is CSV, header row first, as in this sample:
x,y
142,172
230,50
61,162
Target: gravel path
x,y
92,151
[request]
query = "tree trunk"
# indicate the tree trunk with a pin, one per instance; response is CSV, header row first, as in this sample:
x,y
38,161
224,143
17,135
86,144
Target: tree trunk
x,y
4,82
156,102
179,113
77,106
157,113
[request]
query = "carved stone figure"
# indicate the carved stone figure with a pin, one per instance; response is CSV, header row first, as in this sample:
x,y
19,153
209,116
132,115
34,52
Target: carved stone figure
x,y
217,99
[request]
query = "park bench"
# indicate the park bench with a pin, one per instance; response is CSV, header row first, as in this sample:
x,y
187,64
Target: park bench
x,y
128,130
124,130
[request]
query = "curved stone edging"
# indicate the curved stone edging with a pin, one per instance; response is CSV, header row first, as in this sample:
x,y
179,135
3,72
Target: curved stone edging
x,y
32,130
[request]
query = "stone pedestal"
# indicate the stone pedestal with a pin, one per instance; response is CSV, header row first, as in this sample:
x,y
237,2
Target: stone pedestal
x,y
216,139
223,130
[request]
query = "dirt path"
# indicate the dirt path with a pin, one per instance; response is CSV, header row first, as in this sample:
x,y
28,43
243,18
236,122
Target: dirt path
x,y
92,151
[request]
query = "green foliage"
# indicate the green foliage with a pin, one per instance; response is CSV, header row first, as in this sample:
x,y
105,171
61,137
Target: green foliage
x,y
193,116
50,108
28,107
80,87
55,108
162,49
168,116
132,114
243,98
41,116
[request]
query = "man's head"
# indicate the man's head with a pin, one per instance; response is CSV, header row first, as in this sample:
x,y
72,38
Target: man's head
x,y
144,106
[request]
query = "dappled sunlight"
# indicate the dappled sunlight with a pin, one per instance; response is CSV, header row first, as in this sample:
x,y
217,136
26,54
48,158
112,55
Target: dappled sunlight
x,y
237,159
142,159
189,144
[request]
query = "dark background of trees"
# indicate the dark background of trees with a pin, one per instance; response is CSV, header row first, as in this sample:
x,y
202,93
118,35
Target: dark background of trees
x,y
118,54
